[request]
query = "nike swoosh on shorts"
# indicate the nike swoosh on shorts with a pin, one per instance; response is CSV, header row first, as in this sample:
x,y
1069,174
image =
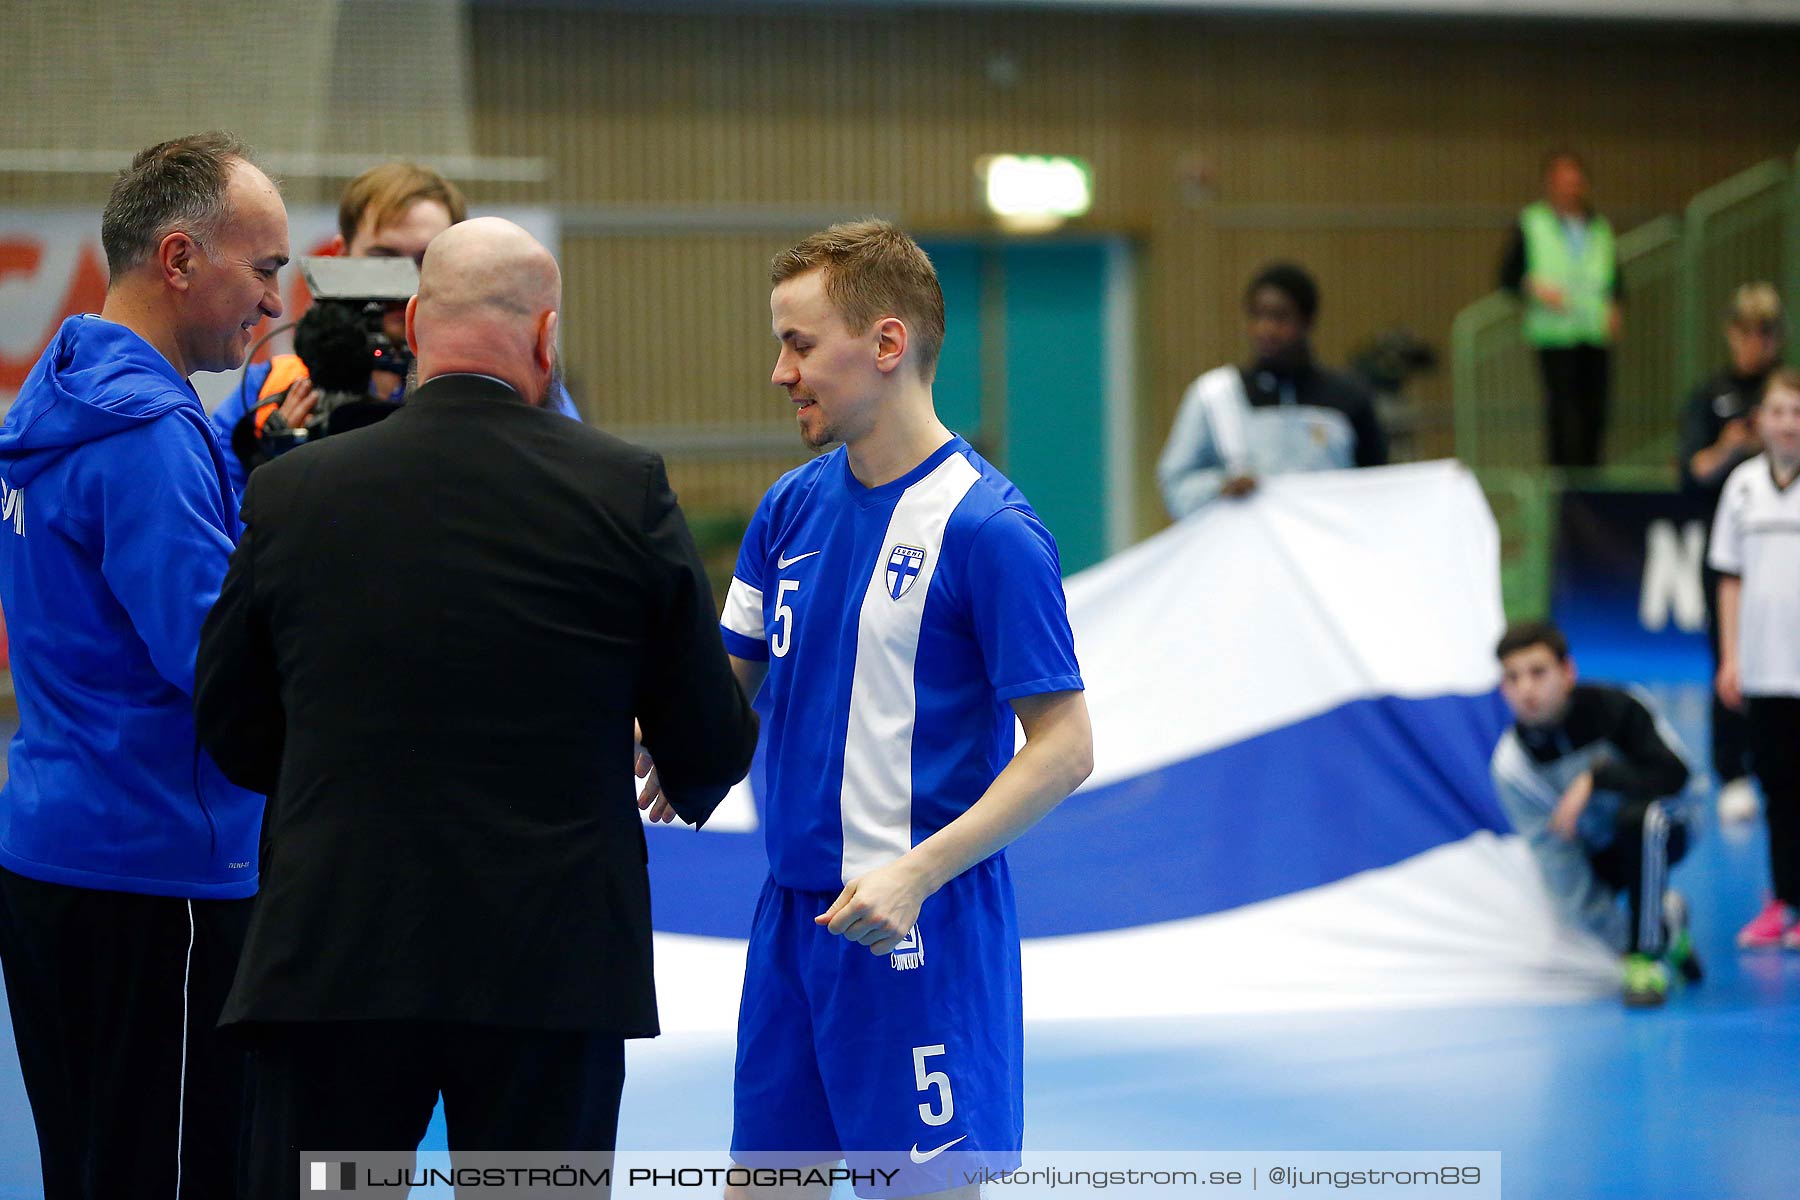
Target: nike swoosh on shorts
x,y
926,1156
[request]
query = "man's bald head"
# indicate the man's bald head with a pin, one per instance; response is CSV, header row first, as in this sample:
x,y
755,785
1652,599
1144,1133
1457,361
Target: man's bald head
x,y
488,299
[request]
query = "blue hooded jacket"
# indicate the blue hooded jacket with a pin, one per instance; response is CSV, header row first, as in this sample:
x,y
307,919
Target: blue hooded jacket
x,y
118,523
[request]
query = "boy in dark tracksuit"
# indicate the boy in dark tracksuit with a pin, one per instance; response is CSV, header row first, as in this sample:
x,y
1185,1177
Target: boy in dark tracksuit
x,y
1590,778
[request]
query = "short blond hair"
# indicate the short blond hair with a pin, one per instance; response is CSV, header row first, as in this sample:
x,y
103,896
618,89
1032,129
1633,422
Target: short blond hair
x,y
384,193
1755,304
874,270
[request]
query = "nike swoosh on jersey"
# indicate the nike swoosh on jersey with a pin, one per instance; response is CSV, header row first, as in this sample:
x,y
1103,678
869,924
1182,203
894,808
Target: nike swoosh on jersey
x,y
925,1156
783,563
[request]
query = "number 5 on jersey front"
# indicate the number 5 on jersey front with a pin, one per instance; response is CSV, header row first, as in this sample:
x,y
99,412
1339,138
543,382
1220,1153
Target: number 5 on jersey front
x,y
783,640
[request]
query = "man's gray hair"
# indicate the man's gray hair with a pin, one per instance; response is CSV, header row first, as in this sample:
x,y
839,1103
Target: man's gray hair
x,y
175,185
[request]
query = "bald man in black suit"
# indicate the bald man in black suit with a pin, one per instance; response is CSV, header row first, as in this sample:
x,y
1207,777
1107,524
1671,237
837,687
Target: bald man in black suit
x,y
430,650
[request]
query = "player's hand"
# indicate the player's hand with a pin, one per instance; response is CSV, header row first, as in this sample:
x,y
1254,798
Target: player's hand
x,y
1548,296
1238,485
1565,818
877,909
1731,686
651,797
299,403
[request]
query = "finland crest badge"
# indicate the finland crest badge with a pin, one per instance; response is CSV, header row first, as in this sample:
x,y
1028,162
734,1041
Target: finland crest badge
x,y
909,954
903,566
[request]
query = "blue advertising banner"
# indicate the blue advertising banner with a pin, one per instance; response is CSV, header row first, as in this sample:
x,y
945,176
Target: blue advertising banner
x,y
1628,589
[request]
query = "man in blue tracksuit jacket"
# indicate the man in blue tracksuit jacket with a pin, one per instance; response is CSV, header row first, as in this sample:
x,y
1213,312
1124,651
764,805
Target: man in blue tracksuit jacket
x,y
126,858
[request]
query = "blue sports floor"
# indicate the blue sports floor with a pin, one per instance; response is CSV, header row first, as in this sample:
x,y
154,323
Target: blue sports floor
x,y
1699,1099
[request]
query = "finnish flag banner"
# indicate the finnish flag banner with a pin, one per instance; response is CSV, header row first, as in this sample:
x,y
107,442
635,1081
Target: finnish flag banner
x,y
1294,701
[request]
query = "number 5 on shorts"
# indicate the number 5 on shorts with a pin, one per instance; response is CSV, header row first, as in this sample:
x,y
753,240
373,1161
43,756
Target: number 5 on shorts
x,y
930,1079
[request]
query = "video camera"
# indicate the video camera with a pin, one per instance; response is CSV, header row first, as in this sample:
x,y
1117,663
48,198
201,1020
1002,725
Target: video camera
x,y
342,341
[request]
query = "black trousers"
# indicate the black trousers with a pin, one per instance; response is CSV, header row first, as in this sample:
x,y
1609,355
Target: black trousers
x,y
1577,385
1775,757
1730,728
114,999
1645,845
371,1086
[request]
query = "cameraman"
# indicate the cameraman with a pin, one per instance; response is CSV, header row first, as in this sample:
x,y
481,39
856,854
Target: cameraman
x,y
389,211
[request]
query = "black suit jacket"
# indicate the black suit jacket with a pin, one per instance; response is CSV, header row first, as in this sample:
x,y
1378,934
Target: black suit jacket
x,y
429,650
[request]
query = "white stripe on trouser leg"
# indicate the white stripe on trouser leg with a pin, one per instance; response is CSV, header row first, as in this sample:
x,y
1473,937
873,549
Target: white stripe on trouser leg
x,y
187,968
875,802
1653,874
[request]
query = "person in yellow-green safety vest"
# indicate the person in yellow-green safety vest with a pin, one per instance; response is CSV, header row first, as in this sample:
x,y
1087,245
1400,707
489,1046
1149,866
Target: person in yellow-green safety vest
x,y
1563,264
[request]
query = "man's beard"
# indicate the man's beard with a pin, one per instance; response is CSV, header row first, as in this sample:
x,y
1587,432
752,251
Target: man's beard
x,y
820,435
552,385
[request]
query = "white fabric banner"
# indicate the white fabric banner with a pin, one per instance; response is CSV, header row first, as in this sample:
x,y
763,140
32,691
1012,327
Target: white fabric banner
x,y
1291,698
1253,614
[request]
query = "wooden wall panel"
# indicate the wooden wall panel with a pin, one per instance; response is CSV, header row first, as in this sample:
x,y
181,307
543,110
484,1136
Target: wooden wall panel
x,y
1388,156
671,331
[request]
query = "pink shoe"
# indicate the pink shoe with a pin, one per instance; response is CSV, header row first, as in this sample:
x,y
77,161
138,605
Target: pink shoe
x,y
1767,928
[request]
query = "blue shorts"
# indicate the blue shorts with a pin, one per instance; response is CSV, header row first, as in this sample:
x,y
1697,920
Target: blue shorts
x,y
884,1060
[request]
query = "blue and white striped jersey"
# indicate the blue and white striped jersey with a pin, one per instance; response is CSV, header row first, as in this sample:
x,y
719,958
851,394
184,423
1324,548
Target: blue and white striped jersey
x,y
897,621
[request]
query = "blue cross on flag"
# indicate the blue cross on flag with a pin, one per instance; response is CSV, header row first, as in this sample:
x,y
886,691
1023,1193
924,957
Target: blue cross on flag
x,y
903,566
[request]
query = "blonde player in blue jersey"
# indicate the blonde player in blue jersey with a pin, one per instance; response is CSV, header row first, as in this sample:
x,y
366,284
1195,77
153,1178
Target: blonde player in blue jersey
x,y
895,605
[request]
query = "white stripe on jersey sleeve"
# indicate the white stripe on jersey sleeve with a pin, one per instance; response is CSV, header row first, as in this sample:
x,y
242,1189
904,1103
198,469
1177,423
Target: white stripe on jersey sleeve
x,y
743,610
876,798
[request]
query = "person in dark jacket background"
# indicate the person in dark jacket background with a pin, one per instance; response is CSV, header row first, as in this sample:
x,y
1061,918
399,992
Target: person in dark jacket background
x,y
1283,412
1718,432
126,858
431,646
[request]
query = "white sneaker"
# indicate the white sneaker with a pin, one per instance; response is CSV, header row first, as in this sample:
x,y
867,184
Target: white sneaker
x,y
1737,802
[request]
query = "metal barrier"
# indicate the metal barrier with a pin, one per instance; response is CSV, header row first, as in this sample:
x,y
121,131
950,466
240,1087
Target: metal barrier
x,y
1648,381
1734,232
1790,289
1524,507
1527,506
1499,422
1499,400
1678,278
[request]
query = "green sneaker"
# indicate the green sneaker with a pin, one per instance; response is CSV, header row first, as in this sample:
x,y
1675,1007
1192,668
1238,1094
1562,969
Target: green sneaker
x,y
1646,982
1680,953
1683,958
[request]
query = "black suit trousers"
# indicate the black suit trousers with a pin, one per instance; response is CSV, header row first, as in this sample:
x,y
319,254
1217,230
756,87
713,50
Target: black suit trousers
x,y
332,1086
